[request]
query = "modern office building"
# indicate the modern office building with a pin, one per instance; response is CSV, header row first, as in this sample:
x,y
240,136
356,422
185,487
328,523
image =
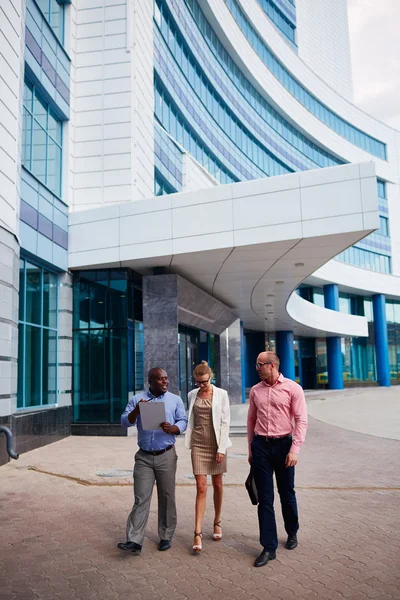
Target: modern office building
x,y
186,179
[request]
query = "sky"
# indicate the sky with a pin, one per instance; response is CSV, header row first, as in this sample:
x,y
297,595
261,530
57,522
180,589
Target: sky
x,y
375,49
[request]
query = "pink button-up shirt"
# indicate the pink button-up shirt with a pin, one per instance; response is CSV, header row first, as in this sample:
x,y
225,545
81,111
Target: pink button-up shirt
x,y
273,408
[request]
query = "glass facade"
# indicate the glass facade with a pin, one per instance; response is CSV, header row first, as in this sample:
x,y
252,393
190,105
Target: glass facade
x,y
37,336
358,354
366,260
42,139
161,186
318,109
195,345
108,343
53,12
237,125
374,251
168,162
283,15
393,323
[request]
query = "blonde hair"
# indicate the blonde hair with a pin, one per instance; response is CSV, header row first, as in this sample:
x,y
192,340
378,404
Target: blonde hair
x,y
203,369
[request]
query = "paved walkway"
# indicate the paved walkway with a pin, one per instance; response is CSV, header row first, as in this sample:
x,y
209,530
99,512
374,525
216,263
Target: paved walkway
x,y
375,411
61,520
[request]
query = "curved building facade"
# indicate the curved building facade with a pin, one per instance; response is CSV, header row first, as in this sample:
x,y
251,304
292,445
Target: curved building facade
x,y
187,179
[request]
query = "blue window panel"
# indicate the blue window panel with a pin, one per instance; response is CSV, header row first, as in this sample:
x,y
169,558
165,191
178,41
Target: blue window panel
x,y
42,153
28,237
46,194
45,208
49,70
44,248
381,188
28,193
45,227
37,341
33,45
60,219
61,206
63,73
60,257
29,215
60,237
50,51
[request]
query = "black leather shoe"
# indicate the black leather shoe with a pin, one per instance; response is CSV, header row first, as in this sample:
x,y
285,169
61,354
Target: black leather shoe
x,y
264,558
291,542
164,545
130,547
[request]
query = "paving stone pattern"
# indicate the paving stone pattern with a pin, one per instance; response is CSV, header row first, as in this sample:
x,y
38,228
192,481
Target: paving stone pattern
x,y
58,537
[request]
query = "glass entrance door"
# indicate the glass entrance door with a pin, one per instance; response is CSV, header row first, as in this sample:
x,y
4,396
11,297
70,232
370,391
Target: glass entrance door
x,y
189,357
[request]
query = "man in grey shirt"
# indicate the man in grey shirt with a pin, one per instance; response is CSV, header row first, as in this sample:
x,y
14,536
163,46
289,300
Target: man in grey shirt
x,y
155,461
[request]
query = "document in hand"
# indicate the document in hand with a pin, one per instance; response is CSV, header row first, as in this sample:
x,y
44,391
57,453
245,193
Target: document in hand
x,y
152,414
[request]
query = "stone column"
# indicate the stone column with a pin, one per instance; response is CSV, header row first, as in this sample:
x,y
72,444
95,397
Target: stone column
x,y
9,286
230,362
160,321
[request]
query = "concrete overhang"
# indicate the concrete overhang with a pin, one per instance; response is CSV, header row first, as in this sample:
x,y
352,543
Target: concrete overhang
x,y
248,244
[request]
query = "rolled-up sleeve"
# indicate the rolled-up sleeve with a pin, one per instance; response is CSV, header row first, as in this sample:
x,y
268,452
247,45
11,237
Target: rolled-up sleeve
x,y
299,414
251,419
181,419
225,424
129,408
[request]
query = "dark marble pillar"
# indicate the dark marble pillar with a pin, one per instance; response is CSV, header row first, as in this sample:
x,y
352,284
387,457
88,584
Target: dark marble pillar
x,y
160,320
230,368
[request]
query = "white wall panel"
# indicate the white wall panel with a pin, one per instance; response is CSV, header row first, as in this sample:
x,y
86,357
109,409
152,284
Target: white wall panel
x,y
102,85
324,41
12,24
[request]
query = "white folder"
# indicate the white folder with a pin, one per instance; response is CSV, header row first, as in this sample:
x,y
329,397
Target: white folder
x,y
152,414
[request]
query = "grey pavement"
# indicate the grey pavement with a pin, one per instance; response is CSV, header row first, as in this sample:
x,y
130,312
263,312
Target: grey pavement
x,y
61,519
375,410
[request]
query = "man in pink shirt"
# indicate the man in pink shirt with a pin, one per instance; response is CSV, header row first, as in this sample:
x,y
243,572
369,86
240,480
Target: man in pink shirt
x,y
274,445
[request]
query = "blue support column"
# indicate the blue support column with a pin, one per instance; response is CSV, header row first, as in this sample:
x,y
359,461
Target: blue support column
x,y
381,339
333,344
285,352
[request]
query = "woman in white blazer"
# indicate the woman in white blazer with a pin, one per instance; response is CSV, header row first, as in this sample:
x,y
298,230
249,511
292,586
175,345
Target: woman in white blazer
x,y
207,435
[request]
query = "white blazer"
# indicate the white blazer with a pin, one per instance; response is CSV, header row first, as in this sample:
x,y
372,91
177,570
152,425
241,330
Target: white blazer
x,y
221,418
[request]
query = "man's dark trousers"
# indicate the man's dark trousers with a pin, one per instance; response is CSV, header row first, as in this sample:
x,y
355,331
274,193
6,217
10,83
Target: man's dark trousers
x,y
269,457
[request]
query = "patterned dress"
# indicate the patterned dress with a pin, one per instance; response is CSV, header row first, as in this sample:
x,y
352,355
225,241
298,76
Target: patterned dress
x,y
204,443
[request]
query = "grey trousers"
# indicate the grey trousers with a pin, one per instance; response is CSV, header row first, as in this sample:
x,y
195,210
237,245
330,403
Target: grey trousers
x,y
148,469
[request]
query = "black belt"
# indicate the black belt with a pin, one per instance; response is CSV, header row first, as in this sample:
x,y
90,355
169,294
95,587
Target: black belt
x,y
157,452
269,439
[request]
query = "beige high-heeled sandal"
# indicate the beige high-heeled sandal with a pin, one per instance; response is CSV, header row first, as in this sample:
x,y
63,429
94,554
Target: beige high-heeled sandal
x,y
217,536
197,547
